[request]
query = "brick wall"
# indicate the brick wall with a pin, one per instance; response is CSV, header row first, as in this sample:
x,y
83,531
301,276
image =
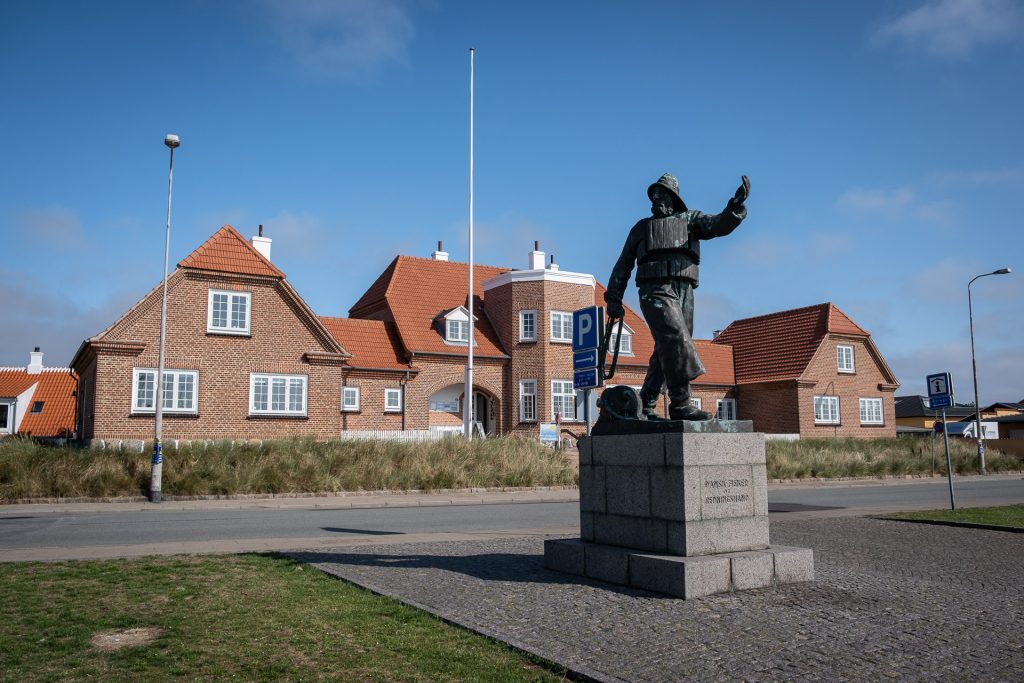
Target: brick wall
x,y
280,336
822,378
773,406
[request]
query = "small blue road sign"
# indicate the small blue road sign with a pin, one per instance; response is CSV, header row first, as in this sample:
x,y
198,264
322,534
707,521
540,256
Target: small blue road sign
x,y
586,379
582,360
940,390
587,328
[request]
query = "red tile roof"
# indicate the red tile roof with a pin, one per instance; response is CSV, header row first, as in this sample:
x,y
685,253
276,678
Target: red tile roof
x,y
55,387
779,345
415,290
228,252
372,343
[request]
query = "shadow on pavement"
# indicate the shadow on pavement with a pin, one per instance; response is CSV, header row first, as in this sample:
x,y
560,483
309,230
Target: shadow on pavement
x,y
797,507
366,532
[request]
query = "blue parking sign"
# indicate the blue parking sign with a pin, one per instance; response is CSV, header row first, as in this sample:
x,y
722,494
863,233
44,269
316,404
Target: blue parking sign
x,y
587,328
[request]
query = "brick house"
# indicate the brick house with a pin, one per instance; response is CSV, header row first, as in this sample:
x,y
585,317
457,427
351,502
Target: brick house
x,y
811,371
246,357
37,401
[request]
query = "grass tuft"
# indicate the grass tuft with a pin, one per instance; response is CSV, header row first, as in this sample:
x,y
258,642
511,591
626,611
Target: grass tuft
x,y
32,470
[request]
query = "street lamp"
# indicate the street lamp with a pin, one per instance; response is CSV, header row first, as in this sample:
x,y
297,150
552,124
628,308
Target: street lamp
x,y
974,369
158,459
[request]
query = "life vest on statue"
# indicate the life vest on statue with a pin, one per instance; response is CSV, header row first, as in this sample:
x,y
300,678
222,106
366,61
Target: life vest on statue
x,y
667,249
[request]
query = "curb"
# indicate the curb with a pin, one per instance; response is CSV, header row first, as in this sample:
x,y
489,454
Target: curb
x,y
965,525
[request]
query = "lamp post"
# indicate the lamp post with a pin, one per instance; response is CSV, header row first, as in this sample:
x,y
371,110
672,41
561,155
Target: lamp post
x,y
156,474
974,369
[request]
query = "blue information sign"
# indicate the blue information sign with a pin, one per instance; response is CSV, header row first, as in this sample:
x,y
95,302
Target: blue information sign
x,y
939,402
587,326
940,390
582,360
586,379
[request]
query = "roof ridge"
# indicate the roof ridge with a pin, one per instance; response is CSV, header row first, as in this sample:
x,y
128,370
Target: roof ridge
x,y
460,263
225,231
777,313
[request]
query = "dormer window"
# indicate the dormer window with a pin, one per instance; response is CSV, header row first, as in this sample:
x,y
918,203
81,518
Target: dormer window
x,y
844,358
455,325
625,344
228,312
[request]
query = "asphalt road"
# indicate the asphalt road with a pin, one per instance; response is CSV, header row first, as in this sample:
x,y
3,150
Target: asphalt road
x,y
114,530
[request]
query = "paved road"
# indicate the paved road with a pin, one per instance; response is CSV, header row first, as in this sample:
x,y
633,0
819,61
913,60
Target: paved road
x,y
77,531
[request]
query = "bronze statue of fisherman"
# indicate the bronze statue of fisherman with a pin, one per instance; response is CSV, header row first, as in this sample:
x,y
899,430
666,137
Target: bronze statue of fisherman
x,y
666,250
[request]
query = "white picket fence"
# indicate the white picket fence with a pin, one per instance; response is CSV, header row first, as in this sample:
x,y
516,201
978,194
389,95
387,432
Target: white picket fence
x,y
398,434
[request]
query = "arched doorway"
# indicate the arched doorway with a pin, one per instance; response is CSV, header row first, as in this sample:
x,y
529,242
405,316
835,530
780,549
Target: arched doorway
x,y
445,407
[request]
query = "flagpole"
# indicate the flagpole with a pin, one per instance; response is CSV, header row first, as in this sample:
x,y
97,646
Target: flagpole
x,y
467,407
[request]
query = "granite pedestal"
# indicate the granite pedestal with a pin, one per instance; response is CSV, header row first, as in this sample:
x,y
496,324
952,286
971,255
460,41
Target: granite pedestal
x,y
682,513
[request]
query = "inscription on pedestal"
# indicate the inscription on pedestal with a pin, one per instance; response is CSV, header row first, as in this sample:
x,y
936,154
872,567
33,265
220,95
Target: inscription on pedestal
x,y
726,492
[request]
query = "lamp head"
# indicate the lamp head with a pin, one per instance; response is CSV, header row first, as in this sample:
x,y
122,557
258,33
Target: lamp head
x,y
1002,271
172,141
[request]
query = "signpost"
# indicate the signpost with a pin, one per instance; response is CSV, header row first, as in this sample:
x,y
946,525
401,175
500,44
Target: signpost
x,y
940,395
587,332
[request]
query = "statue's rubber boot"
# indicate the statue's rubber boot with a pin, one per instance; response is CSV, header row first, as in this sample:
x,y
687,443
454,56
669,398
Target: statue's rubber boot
x,y
688,412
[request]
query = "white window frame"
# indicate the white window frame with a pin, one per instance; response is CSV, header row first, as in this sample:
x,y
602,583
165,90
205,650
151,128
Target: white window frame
x,y
729,406
563,394
695,402
289,387
456,331
524,334
9,427
626,349
563,327
841,364
345,393
174,376
527,400
866,417
228,328
397,393
826,410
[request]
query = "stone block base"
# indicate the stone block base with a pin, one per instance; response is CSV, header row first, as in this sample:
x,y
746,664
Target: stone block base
x,y
681,577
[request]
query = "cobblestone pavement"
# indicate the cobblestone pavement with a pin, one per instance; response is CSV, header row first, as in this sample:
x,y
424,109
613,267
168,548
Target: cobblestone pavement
x,y
892,601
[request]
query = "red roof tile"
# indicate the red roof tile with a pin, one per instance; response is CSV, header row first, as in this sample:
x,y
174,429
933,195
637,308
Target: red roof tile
x,y
372,343
779,345
415,290
228,252
55,387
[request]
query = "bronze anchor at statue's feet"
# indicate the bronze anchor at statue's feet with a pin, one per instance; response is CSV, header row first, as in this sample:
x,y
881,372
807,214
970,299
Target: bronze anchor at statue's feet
x,y
622,413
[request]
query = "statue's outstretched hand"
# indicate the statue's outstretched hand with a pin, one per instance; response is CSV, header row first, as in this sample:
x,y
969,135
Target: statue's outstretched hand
x,y
615,309
742,192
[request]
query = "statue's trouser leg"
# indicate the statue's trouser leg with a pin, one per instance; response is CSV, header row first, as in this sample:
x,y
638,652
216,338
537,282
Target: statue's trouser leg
x,y
668,310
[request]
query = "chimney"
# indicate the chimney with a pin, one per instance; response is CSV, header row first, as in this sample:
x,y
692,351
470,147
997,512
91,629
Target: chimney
x,y
440,254
714,335
35,362
553,266
536,257
261,243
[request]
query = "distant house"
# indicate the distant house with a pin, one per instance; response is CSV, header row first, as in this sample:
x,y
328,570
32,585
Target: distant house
x,y
811,371
915,411
247,359
37,401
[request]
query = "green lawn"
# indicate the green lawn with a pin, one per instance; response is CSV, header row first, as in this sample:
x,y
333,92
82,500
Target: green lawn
x,y
241,617
1006,515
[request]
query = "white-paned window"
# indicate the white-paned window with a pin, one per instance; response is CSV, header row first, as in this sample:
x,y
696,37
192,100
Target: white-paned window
x,y
228,312
844,358
871,411
527,400
6,417
563,400
695,402
561,327
350,399
726,409
445,405
277,394
826,410
180,391
458,331
527,326
393,400
625,346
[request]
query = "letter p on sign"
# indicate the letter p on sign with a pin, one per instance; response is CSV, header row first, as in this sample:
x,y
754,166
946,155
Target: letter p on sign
x,y
585,323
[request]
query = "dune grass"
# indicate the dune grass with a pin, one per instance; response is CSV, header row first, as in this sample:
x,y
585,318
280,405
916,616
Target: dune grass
x,y
32,470
216,618
849,457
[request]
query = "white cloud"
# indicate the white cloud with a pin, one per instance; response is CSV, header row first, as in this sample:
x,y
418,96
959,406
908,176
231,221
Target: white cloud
x,y
878,200
54,226
341,38
954,28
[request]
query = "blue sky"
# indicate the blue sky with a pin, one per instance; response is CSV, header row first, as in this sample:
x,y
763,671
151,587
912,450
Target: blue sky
x,y
882,140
